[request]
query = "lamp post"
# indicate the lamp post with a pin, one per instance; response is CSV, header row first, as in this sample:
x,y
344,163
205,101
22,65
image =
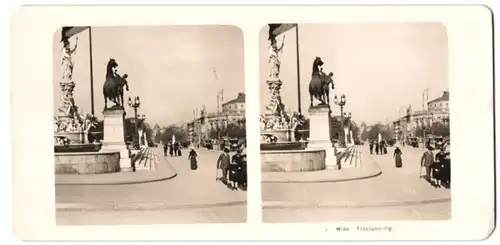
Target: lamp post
x,y
341,102
135,103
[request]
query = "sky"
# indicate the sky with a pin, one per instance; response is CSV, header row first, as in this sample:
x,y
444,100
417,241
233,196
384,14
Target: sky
x,y
169,67
380,67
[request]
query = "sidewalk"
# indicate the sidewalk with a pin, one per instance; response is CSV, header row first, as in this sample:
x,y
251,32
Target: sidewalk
x,y
164,171
188,190
393,187
369,169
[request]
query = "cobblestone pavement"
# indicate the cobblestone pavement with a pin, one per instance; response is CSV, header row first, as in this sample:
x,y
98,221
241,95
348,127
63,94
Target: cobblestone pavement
x,y
394,186
189,188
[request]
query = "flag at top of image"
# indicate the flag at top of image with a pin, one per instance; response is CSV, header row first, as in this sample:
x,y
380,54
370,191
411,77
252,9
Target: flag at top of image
x,y
277,29
68,31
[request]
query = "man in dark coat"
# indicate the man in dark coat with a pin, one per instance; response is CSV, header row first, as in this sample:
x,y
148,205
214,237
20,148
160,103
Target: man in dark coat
x,y
223,164
371,147
426,161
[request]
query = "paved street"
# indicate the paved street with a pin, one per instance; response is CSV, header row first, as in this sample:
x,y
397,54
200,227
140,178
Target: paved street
x,y
196,192
436,211
230,214
397,192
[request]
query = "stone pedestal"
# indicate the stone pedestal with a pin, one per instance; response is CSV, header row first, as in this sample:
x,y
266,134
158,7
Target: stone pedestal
x,y
319,134
114,136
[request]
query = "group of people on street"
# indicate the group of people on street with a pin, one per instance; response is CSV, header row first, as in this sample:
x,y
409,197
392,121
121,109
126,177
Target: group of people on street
x,y
437,168
380,147
233,169
172,149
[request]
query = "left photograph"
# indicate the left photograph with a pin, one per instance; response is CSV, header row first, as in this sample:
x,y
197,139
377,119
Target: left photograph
x,y
149,125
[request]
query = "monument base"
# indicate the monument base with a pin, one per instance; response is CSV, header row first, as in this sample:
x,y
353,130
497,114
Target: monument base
x,y
114,136
319,134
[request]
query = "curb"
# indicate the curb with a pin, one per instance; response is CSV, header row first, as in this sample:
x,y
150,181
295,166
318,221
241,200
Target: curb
x,y
163,177
139,206
298,205
132,182
371,174
377,173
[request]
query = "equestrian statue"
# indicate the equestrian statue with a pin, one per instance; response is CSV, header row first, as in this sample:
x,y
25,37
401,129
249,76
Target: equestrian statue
x,y
319,84
113,86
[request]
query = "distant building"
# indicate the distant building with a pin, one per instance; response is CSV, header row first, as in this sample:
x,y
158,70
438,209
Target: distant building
x,y
233,112
440,108
437,111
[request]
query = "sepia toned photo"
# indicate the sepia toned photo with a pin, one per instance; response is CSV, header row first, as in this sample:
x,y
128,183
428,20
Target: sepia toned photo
x,y
355,122
149,125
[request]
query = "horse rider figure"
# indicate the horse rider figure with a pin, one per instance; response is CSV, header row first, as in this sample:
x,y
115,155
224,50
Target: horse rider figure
x,y
120,83
318,86
113,86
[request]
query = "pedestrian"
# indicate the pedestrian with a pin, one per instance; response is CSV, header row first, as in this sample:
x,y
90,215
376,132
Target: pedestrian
x,y
397,157
192,157
223,164
165,149
426,161
170,149
176,147
371,147
442,159
384,146
179,152
234,170
377,147
243,171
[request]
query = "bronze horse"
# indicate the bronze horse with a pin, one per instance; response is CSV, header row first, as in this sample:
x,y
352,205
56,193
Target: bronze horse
x,y
318,86
110,88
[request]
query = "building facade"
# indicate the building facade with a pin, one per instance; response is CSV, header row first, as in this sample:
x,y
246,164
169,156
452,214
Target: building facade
x,y
437,111
204,126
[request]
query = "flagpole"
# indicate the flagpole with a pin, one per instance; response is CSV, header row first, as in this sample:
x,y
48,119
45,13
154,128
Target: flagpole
x,y
91,73
298,66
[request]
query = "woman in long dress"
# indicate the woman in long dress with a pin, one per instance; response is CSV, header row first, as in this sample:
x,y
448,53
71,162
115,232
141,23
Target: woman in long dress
x,y
397,157
192,157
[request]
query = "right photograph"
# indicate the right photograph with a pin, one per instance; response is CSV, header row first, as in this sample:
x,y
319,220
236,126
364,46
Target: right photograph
x,y
355,122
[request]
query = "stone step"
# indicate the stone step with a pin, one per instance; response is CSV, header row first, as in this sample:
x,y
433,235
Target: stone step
x,y
359,158
141,163
148,161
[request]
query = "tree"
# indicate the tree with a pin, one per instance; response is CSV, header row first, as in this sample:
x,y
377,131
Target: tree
x,y
166,136
440,129
97,133
355,132
129,126
233,131
377,129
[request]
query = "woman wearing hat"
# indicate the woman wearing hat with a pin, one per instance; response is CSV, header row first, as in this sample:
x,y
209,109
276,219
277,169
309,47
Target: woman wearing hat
x,y
397,157
192,157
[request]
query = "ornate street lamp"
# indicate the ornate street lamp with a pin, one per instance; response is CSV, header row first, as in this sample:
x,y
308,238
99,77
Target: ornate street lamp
x,y
135,103
341,102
